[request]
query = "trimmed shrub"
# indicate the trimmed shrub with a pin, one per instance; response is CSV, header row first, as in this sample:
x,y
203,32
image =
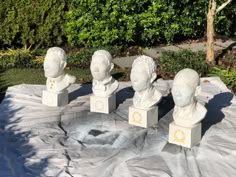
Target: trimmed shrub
x,y
169,20
95,23
37,23
144,22
101,23
172,62
16,58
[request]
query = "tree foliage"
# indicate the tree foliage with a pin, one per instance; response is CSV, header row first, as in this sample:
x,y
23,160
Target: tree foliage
x,y
96,23
32,22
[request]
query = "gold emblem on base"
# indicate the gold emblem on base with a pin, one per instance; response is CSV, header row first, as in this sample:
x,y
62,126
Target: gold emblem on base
x,y
179,136
137,118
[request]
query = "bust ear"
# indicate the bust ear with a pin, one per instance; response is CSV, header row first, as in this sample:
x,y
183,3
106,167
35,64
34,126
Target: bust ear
x,y
197,90
63,64
153,77
112,66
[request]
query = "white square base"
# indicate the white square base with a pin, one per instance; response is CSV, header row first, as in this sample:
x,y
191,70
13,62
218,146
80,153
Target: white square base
x,y
143,117
103,104
185,136
55,99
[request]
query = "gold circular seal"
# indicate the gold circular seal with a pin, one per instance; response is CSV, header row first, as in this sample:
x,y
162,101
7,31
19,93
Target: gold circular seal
x,y
99,105
137,118
179,136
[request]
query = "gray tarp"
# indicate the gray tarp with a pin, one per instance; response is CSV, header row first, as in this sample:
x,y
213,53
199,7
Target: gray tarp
x,y
36,140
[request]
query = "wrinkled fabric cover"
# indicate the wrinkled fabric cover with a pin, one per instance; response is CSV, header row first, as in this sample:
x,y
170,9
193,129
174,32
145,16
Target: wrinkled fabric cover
x,y
36,140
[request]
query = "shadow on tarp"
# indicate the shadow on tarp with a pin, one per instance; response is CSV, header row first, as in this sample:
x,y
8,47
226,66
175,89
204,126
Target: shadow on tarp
x,y
85,89
165,106
15,150
3,85
123,95
214,110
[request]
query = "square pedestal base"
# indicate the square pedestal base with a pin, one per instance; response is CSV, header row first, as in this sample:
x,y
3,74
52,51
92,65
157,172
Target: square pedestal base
x,y
55,99
185,136
143,118
103,104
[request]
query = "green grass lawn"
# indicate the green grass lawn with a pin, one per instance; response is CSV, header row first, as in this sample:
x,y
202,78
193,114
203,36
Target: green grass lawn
x,y
17,76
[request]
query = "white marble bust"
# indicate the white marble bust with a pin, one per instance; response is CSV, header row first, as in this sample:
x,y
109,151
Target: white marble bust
x,y
187,111
101,65
143,75
54,64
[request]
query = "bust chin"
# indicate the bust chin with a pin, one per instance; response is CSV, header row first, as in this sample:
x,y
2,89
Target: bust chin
x,y
105,87
147,99
190,115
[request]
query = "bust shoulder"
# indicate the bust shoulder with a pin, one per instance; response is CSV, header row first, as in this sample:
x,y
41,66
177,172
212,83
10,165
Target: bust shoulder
x,y
70,79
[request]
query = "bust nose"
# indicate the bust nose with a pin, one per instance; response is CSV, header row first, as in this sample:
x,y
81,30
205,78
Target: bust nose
x,y
177,93
96,69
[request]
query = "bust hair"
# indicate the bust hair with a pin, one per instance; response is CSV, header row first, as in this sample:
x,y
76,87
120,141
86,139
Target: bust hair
x,y
104,54
189,77
148,61
59,52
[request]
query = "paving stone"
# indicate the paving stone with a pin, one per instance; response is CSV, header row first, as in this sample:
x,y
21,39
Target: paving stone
x,y
125,62
194,47
150,52
154,52
226,44
168,48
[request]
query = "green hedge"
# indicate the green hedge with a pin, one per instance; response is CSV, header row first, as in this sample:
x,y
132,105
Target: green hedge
x,y
172,62
98,23
38,23
101,23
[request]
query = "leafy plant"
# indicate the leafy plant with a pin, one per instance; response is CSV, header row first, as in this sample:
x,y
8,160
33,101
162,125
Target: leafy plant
x,y
94,23
102,23
224,20
146,22
227,75
37,23
171,62
16,58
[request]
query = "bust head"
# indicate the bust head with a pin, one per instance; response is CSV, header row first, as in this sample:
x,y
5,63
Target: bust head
x,y
55,62
101,65
143,73
185,87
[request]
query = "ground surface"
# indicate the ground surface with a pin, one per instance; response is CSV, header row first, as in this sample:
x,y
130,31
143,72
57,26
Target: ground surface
x,y
37,140
17,76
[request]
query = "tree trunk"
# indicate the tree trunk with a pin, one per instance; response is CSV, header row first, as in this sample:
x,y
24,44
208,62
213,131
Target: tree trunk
x,y
210,57
212,11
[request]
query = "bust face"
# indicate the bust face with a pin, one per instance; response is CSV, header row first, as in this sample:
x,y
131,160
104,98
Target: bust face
x,y
53,66
140,78
183,95
100,69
